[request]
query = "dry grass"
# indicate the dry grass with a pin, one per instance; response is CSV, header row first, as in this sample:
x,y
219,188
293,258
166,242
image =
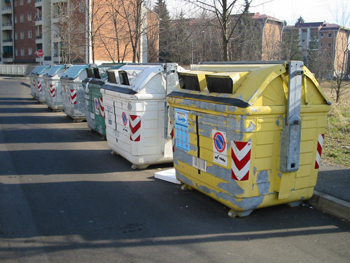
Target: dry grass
x,y
336,147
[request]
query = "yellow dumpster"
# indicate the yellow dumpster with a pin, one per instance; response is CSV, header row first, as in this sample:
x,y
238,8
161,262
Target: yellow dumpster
x,y
250,135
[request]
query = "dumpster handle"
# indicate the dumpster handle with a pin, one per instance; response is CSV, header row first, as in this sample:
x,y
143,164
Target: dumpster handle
x,y
291,130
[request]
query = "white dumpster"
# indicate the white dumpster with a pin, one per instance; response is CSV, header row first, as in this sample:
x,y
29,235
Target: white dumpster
x,y
53,88
136,115
73,92
36,82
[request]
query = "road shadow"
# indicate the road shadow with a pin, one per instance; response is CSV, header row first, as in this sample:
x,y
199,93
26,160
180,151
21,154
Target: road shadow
x,y
36,119
26,110
49,162
51,135
139,212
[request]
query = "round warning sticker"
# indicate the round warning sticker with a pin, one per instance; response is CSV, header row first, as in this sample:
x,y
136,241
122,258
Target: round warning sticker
x,y
125,119
219,142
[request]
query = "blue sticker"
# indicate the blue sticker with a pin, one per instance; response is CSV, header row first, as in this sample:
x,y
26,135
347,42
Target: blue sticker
x,y
181,130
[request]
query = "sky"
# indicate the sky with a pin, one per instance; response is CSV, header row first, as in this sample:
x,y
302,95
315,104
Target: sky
x,y
332,11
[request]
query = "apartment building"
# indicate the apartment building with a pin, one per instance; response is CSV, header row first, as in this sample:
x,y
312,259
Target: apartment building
x,y
331,39
270,34
74,31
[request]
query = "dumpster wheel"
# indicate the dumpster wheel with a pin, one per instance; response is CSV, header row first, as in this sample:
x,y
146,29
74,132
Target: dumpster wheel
x,y
139,167
294,204
234,213
114,153
186,187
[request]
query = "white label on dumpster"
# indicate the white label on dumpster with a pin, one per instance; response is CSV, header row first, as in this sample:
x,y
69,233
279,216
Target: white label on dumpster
x,y
181,128
92,115
109,108
199,164
219,147
97,106
87,97
87,103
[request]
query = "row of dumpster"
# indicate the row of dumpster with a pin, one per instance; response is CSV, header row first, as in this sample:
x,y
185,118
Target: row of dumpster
x,y
247,134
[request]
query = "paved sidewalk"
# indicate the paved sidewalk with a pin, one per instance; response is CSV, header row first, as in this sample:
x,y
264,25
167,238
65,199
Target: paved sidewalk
x,y
332,193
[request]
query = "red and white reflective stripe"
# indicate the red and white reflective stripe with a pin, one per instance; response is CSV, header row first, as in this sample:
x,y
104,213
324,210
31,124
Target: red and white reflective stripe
x,y
135,128
52,91
172,135
102,108
34,83
319,150
240,155
39,86
73,96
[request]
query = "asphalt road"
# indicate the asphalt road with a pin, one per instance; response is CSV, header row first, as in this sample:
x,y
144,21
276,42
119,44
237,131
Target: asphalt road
x,y
65,198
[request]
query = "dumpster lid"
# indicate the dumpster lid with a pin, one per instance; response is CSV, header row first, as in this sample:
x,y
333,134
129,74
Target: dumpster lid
x,y
74,71
53,70
134,77
39,69
100,72
244,84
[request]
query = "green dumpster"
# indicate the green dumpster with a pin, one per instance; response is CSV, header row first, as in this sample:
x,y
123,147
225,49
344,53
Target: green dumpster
x,y
96,78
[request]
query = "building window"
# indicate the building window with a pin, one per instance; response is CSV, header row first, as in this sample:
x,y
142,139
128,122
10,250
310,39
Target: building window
x,y
321,44
330,34
29,16
21,18
15,4
30,34
16,52
22,35
22,51
21,2
321,35
329,44
29,1
15,19
16,35
30,51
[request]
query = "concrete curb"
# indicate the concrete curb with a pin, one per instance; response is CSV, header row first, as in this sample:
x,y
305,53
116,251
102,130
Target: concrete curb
x,y
331,205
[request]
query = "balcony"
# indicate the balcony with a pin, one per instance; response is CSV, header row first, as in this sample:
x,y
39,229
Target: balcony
x,y
7,26
7,57
38,3
38,21
39,39
7,60
7,42
6,10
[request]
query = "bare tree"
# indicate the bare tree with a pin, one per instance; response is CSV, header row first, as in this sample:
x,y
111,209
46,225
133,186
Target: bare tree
x,y
97,18
290,44
318,59
247,40
227,17
131,24
115,39
69,30
134,14
272,33
341,62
